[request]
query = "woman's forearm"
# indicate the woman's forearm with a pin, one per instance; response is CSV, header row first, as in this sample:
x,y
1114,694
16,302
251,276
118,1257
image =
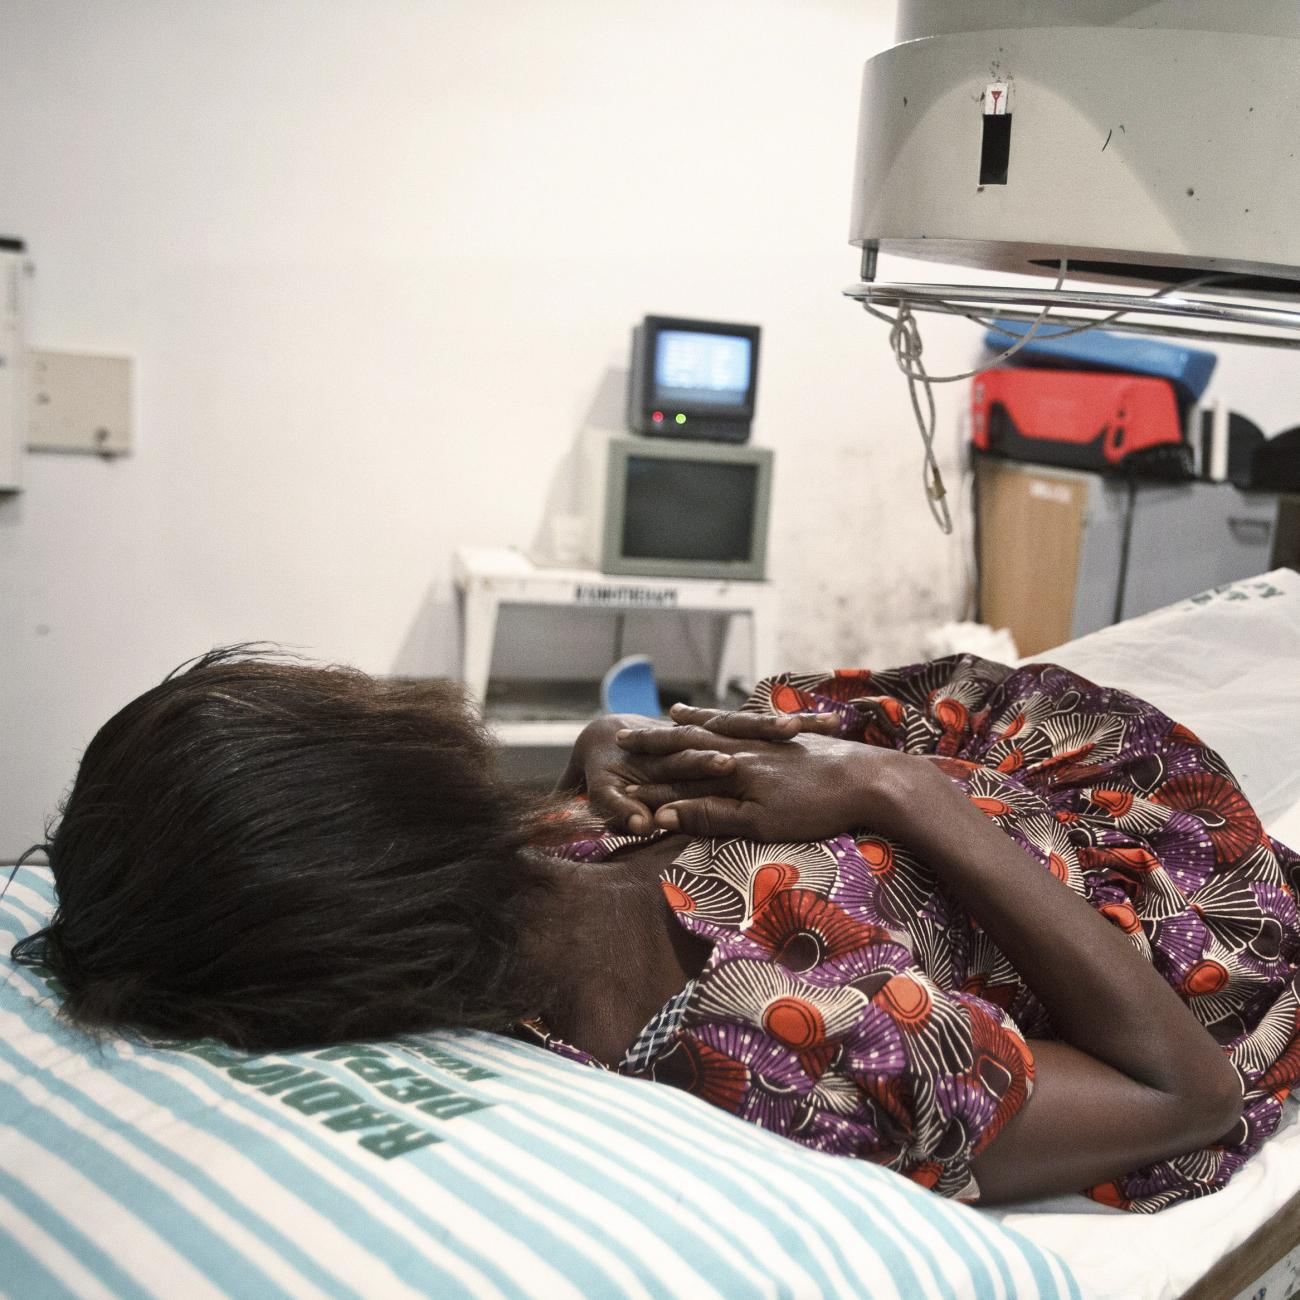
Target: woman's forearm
x,y
1133,1078
1102,996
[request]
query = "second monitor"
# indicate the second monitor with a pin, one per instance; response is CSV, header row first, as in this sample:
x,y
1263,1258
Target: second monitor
x,y
675,509
693,379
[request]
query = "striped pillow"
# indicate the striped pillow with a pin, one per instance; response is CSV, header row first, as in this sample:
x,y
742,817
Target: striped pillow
x,y
448,1164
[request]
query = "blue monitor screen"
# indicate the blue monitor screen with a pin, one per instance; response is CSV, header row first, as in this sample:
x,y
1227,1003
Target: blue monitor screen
x,y
692,368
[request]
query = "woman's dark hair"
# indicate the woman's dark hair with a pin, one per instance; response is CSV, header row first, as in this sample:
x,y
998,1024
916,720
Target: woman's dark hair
x,y
282,855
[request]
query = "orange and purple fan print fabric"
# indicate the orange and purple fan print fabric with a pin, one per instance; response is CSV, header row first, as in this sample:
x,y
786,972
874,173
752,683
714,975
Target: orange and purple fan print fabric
x,y
850,1005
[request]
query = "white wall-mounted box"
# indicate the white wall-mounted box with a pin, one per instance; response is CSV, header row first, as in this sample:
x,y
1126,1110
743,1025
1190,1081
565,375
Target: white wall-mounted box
x,y
13,367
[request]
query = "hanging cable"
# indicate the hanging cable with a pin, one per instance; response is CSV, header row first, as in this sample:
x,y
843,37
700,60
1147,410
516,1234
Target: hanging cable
x,y
906,345
905,342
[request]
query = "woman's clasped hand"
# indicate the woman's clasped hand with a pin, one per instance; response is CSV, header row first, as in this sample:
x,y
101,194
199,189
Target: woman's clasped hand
x,y
760,776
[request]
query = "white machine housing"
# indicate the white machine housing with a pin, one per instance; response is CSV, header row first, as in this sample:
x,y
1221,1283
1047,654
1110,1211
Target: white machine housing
x,y
1149,141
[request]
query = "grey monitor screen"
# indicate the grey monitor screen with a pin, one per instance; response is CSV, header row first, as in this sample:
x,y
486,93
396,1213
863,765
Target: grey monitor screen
x,y
688,509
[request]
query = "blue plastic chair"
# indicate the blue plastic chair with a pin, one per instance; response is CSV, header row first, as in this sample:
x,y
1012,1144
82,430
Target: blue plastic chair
x,y
630,687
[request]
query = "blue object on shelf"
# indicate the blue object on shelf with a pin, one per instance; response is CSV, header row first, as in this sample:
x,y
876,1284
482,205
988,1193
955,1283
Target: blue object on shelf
x,y
630,687
1189,369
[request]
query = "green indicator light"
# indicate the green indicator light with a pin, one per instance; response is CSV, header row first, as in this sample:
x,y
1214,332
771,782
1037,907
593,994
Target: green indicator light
x,y
681,419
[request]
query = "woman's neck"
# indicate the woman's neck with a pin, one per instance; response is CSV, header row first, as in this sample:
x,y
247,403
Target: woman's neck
x,y
602,943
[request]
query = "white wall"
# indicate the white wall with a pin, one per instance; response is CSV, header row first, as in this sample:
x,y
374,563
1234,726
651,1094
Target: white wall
x,y
373,259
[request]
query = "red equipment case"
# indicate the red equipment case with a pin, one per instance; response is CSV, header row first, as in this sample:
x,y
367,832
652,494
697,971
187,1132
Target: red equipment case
x,y
1080,419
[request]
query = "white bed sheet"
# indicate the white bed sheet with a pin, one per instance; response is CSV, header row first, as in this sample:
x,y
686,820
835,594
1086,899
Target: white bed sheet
x,y
1226,664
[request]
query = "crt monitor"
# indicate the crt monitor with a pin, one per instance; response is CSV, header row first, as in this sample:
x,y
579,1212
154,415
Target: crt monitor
x,y
675,508
693,379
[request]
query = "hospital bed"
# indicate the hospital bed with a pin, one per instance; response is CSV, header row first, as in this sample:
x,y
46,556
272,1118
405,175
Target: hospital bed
x,y
1227,664
466,1164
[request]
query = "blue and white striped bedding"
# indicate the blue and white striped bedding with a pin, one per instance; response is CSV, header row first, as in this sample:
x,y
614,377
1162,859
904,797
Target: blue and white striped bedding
x,y
447,1165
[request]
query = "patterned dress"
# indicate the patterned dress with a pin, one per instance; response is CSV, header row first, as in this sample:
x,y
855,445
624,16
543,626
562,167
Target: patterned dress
x,y
851,1005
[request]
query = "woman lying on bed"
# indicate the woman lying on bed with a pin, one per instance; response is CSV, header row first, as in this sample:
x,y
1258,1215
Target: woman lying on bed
x,y
1001,930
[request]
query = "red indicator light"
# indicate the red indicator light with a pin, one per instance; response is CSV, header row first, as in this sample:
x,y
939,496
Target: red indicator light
x,y
658,417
